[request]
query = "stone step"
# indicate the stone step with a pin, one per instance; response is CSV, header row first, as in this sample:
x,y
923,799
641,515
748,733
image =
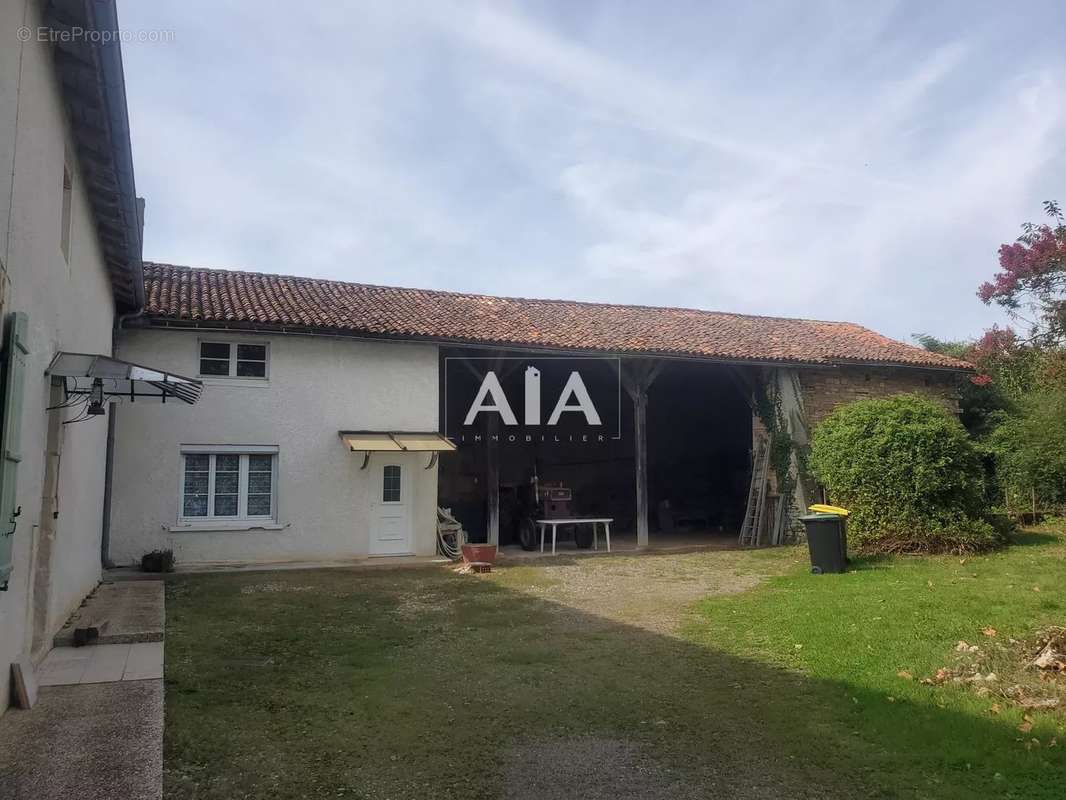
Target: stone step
x,y
123,612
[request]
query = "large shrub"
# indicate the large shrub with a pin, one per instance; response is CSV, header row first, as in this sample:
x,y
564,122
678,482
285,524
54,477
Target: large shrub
x,y
1030,449
909,473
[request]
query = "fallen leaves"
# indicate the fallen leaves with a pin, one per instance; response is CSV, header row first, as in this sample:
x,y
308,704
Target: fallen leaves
x,y
1039,703
943,674
905,674
989,631
1026,725
1052,655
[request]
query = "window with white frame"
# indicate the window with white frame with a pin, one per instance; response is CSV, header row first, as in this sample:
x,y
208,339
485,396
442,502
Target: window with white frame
x,y
228,484
233,360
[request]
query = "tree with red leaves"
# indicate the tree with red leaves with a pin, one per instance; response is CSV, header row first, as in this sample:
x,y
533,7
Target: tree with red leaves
x,y
1031,283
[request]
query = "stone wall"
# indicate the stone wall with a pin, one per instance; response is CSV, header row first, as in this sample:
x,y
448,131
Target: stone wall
x,y
825,388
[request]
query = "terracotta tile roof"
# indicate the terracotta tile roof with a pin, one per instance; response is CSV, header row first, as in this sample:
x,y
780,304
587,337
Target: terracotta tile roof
x,y
257,300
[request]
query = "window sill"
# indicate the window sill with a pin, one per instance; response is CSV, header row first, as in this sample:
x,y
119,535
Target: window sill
x,y
223,380
226,527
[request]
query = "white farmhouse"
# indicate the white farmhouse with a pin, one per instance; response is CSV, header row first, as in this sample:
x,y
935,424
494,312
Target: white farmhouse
x,y
70,269
336,417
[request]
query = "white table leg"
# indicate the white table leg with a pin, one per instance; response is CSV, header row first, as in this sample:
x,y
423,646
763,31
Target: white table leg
x,y
541,526
607,533
555,530
595,536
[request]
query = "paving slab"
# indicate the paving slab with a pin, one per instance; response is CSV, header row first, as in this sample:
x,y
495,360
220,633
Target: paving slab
x,y
101,663
64,665
133,611
107,663
145,661
95,741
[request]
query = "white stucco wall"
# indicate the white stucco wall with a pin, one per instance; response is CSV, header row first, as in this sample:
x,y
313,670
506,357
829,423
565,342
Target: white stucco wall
x,y
317,386
69,307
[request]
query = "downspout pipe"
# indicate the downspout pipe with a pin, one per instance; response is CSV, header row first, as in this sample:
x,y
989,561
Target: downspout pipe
x,y
109,452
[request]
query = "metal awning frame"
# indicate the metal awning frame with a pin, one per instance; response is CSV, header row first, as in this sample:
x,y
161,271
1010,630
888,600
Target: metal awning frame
x,y
109,371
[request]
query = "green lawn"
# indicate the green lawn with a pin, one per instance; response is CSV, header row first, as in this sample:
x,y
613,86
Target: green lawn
x,y
421,683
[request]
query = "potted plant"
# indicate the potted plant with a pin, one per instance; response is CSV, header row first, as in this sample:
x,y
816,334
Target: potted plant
x,y
158,561
479,553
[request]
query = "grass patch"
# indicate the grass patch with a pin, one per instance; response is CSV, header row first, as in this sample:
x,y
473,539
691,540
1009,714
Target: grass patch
x,y
880,629
424,684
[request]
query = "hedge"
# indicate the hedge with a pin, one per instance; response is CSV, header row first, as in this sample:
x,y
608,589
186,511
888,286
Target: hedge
x,y
908,472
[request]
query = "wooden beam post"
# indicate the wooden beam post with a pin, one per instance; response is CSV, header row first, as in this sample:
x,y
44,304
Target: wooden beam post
x,y
492,453
637,377
640,443
492,480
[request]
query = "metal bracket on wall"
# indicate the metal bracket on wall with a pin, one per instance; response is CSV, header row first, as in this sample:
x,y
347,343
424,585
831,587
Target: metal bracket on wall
x,y
432,460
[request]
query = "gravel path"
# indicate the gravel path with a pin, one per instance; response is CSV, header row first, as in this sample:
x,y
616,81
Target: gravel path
x,y
649,591
654,593
592,769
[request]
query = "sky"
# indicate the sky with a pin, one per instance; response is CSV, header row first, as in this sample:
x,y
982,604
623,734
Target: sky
x,y
829,160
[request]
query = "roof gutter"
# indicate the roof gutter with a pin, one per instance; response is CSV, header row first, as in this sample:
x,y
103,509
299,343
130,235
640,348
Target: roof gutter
x,y
103,16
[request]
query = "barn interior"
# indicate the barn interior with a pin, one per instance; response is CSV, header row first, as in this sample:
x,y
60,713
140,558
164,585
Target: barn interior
x,y
698,436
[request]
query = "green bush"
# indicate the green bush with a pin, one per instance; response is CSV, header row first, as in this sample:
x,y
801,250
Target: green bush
x,y
908,472
1030,449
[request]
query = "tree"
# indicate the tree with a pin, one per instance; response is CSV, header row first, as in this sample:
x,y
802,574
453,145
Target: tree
x,y
1030,448
1031,283
982,399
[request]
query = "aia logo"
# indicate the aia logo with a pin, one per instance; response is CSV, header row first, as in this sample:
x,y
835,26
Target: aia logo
x,y
491,398
542,399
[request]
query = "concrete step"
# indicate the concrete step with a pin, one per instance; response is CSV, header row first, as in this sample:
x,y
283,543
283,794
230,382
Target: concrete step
x,y
126,612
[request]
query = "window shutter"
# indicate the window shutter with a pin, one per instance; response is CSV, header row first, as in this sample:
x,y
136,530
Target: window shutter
x,y
14,370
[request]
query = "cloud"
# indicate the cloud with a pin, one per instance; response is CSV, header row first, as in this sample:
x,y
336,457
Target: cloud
x,y
820,161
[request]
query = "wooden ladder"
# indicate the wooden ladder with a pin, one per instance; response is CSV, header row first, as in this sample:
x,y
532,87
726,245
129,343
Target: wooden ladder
x,y
753,515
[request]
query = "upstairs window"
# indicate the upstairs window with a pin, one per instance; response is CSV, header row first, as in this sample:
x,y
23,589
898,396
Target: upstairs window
x,y
64,221
233,360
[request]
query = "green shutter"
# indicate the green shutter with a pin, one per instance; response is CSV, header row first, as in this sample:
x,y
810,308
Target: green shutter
x,y
14,367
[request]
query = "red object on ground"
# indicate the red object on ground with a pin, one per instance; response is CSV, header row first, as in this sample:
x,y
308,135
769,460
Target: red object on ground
x,y
483,553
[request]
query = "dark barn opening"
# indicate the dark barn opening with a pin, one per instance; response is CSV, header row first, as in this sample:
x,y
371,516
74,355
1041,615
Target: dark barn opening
x,y
699,447
698,433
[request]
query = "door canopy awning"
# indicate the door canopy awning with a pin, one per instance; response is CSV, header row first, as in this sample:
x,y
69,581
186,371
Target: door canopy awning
x,y
87,374
367,442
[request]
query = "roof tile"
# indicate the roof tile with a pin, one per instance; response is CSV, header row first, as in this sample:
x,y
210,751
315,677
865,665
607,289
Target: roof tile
x,y
178,293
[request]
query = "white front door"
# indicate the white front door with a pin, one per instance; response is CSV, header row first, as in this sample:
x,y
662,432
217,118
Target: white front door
x,y
390,528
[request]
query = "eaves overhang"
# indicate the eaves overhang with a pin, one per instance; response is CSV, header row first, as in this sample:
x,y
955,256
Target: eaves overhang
x,y
177,324
88,62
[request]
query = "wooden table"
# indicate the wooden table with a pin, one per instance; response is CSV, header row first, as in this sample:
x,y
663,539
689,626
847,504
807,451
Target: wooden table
x,y
594,521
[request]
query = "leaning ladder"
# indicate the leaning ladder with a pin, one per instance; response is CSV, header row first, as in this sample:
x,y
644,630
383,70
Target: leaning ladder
x,y
753,515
